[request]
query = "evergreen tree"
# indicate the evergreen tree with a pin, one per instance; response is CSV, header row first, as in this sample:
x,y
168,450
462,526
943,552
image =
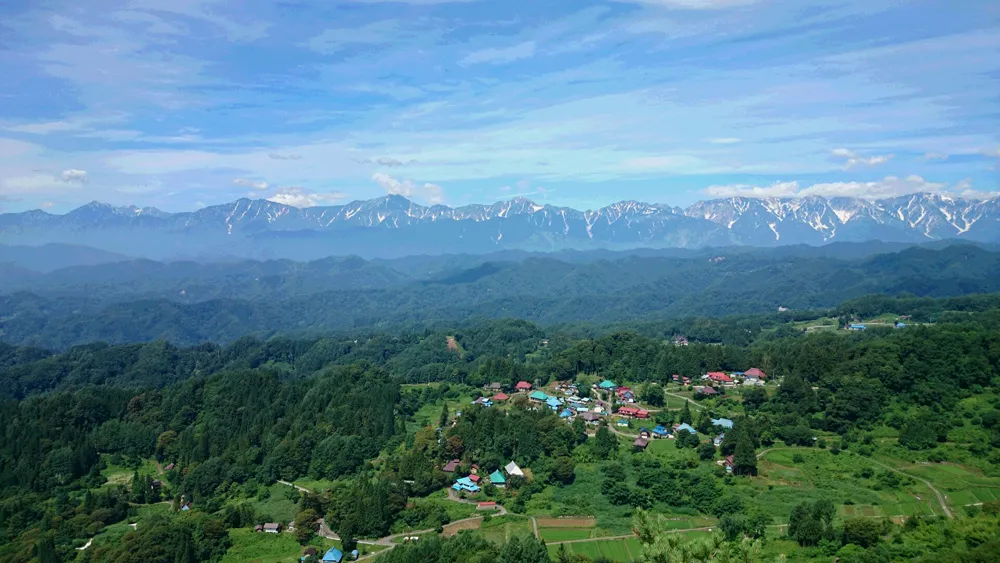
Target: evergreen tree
x,y
686,413
579,430
605,443
745,458
443,421
46,547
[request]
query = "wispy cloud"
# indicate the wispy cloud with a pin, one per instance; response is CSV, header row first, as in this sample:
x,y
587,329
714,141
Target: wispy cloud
x,y
889,186
248,183
500,55
853,159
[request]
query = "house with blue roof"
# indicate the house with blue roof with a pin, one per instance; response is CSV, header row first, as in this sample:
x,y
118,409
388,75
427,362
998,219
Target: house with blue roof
x,y
566,413
661,431
857,327
465,485
685,426
334,555
723,422
554,402
622,422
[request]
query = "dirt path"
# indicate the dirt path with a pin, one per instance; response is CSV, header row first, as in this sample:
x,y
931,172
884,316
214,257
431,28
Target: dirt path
x,y
534,527
937,493
693,404
90,541
298,488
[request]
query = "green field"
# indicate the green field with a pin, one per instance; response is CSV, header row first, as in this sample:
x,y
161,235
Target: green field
x,y
279,506
315,485
122,475
565,534
502,528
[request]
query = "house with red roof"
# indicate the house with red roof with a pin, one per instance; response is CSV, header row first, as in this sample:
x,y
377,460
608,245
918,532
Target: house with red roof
x,y
719,377
451,466
756,373
625,394
633,412
522,386
500,397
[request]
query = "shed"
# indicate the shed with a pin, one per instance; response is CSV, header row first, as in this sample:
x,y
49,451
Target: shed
x,y
451,466
640,443
512,469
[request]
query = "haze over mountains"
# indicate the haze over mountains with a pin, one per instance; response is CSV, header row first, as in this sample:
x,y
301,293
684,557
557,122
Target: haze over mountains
x,y
393,226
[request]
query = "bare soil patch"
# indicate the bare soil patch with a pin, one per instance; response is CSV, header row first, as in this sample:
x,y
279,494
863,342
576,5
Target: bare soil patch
x,y
452,529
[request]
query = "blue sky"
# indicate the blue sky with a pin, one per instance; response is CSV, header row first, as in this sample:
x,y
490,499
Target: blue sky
x,y
181,104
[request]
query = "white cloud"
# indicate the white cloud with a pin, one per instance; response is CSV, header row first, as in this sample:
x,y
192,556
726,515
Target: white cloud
x,y
387,161
336,39
854,159
248,183
432,193
993,152
778,189
279,156
48,205
890,186
74,176
935,156
500,55
298,197
724,140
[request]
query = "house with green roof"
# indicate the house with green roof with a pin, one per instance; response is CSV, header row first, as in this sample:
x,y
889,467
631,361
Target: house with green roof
x,y
538,396
498,479
607,385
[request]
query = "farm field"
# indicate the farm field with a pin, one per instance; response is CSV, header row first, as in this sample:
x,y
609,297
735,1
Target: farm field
x,y
280,505
502,528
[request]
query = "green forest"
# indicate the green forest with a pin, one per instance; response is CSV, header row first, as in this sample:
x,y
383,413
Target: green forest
x,y
187,303
874,445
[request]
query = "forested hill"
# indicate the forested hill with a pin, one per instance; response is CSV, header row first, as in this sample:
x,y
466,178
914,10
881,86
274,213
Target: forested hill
x,y
188,303
217,427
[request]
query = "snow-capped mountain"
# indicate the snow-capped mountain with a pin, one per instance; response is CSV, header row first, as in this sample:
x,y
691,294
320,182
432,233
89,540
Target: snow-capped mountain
x,y
393,225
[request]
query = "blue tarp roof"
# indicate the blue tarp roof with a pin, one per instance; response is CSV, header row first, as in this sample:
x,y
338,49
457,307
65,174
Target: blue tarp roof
x,y
566,413
660,429
334,555
723,422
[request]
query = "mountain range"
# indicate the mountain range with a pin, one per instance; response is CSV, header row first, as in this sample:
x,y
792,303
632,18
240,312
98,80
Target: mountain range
x,y
393,226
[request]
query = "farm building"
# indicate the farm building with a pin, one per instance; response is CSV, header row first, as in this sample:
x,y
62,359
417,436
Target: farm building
x,y
640,443
272,527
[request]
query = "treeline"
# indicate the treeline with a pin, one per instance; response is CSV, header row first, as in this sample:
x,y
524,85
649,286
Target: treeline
x,y
188,304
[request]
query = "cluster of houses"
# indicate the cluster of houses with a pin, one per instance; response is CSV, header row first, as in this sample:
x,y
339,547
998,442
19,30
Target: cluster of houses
x,y
471,482
717,380
660,431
